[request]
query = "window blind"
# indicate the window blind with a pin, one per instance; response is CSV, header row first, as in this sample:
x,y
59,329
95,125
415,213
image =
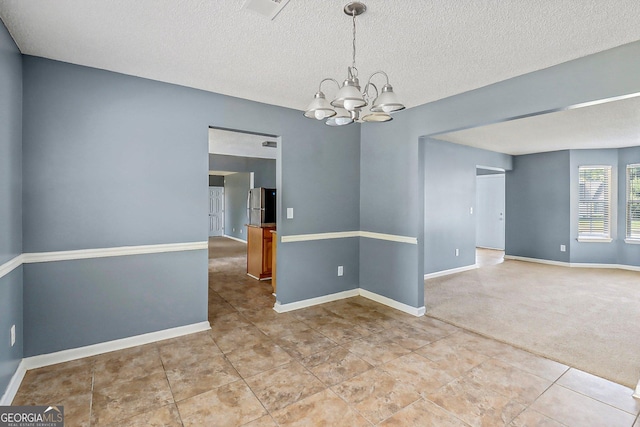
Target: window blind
x,y
594,206
633,201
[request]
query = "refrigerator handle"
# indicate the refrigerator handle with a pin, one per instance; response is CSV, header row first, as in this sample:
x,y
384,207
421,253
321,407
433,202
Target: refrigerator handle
x,y
248,207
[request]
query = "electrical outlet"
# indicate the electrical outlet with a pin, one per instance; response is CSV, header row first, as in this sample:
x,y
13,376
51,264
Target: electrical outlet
x,y
13,335
457,252
471,210
241,231
563,248
340,270
289,213
234,230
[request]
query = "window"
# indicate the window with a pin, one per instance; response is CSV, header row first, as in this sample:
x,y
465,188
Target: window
x,y
594,205
633,202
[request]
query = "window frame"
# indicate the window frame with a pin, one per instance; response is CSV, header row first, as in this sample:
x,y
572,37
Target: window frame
x,y
597,238
628,201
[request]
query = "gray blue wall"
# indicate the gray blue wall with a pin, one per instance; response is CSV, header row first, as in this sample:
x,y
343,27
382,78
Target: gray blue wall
x,y
449,195
318,177
11,303
76,303
236,188
542,203
93,144
264,170
539,206
80,120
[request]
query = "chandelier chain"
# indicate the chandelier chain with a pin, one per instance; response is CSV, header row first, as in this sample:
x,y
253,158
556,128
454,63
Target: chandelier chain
x,y
354,39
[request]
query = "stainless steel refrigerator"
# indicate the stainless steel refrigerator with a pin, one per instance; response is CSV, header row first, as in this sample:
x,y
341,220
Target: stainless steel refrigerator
x,y
261,206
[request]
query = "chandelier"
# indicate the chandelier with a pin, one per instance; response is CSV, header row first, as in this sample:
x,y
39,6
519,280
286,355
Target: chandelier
x,y
351,104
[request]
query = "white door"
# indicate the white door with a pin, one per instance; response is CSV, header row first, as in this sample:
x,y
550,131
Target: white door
x,y
490,204
216,211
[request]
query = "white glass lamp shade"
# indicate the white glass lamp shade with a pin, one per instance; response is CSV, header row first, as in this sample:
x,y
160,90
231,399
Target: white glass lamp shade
x,y
349,96
375,116
319,108
387,102
341,118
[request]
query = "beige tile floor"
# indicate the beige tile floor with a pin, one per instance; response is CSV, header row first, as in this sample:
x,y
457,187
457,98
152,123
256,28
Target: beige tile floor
x,y
347,363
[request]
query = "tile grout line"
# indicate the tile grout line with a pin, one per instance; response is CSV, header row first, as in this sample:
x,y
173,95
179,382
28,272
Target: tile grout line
x,y
93,382
545,390
593,398
166,376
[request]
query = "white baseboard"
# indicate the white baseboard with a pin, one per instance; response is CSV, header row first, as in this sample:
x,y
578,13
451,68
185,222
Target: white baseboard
x,y
538,260
450,271
14,385
636,394
257,278
41,360
573,264
414,311
283,308
235,238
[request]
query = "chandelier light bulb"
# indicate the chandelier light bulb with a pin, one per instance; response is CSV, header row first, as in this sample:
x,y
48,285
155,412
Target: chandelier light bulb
x,y
342,117
349,105
320,114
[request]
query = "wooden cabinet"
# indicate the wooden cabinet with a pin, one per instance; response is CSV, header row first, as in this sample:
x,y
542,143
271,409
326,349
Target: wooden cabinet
x,y
274,245
259,251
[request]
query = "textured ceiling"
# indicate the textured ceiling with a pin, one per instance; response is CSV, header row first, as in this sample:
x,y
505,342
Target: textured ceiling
x,y
430,49
610,125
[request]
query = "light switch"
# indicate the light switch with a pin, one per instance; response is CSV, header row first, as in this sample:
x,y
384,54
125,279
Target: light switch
x,y
289,213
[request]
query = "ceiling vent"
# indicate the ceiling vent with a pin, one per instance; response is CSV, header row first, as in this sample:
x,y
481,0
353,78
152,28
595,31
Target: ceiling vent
x,y
270,144
266,8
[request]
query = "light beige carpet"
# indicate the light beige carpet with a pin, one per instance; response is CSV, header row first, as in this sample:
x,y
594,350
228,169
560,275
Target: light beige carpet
x,y
584,318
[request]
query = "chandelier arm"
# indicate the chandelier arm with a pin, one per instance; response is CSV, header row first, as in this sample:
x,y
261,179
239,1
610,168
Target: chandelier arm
x,y
379,72
327,79
366,89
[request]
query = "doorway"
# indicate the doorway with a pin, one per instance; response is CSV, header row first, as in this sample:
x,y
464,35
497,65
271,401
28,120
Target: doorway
x,y
490,207
241,160
490,216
